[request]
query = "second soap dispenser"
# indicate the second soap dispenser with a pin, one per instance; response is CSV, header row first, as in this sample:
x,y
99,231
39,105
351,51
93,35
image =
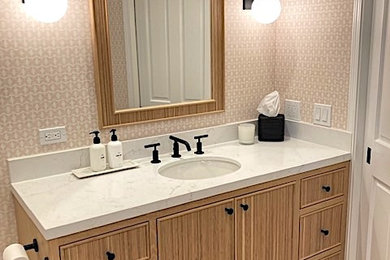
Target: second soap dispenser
x,y
115,151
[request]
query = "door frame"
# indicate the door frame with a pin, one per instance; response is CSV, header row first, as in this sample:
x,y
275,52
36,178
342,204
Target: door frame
x,y
359,74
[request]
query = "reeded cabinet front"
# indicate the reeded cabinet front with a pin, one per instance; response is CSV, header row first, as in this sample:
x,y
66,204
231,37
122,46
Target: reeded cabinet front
x,y
205,233
125,244
266,224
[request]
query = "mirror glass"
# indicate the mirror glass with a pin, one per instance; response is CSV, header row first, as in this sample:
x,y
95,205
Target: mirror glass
x,y
160,51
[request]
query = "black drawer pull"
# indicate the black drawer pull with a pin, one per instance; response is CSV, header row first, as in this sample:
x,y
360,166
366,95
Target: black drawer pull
x,y
326,188
245,207
229,211
325,232
110,256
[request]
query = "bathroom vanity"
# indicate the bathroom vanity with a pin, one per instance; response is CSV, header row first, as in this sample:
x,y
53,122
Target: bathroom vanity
x,y
287,201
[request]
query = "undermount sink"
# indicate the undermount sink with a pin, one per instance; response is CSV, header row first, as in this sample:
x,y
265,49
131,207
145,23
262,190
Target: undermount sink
x,y
199,168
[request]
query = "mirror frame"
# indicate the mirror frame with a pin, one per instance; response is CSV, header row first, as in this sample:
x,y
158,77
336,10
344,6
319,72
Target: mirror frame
x,y
110,117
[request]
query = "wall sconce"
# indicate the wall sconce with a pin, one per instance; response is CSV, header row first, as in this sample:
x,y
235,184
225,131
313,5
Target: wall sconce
x,y
47,11
263,11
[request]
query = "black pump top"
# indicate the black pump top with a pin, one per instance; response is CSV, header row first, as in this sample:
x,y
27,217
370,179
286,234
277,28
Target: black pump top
x,y
114,137
96,139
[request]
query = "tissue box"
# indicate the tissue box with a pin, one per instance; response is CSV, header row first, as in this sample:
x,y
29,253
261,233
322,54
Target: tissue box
x,y
271,129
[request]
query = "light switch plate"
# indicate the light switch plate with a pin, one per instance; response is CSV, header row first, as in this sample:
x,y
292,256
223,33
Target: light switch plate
x,y
322,115
52,135
292,109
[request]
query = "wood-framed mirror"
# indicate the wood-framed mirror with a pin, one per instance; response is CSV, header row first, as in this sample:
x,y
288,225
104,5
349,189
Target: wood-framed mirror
x,y
213,45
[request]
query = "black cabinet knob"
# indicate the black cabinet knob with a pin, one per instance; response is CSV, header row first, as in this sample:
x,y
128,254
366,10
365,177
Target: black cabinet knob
x,y
325,232
110,256
245,207
326,188
229,211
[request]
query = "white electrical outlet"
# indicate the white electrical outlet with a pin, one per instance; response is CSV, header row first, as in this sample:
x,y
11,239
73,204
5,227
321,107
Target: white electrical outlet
x,y
292,109
322,114
52,135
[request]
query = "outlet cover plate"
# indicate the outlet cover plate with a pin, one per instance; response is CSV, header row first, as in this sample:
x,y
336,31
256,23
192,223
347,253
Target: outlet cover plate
x,y
292,109
322,115
52,135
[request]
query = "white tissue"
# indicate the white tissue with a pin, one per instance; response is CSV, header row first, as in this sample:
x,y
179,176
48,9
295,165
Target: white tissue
x,y
270,105
15,252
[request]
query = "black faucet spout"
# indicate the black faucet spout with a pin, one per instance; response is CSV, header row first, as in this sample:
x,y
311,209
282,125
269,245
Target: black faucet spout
x,y
177,140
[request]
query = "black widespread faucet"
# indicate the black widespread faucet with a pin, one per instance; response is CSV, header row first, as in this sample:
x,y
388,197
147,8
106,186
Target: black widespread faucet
x,y
176,142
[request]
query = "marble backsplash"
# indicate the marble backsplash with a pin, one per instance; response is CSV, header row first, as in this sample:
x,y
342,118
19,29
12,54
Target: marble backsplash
x,y
43,165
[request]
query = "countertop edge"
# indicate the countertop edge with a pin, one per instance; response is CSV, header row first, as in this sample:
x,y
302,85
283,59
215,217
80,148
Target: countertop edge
x,y
76,227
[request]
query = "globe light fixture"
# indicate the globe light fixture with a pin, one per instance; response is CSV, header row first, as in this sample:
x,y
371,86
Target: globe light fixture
x,y
46,11
264,11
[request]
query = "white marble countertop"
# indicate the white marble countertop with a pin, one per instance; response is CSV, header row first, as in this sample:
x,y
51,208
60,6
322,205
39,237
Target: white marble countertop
x,y
61,204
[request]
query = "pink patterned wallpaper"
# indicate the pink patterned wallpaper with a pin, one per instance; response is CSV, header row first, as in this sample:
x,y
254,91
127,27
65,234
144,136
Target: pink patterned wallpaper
x,y
118,54
46,78
313,51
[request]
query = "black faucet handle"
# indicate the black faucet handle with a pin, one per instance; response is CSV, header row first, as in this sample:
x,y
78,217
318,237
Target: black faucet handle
x,y
199,143
200,137
152,146
155,152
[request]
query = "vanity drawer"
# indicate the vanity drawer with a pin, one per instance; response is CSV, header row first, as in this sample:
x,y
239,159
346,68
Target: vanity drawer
x,y
130,243
337,256
333,256
321,230
323,187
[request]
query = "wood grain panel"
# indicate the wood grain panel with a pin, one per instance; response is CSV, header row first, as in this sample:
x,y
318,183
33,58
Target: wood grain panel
x,y
205,233
312,240
337,256
127,244
110,117
313,189
266,229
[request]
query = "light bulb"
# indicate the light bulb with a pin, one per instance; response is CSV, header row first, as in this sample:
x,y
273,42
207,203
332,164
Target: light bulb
x,y
47,11
266,11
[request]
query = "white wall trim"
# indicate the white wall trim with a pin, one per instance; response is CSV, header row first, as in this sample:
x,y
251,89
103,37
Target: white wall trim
x,y
360,56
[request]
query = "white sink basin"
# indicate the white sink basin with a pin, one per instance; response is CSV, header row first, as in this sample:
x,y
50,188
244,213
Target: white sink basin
x,y
199,168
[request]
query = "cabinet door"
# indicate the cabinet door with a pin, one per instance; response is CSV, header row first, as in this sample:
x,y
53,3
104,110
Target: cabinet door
x,y
267,224
126,244
205,233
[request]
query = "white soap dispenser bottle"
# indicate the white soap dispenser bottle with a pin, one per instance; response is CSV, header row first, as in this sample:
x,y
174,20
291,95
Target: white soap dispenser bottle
x,y
115,151
97,154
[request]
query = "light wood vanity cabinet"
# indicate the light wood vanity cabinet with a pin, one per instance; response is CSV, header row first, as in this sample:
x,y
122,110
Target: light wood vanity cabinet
x,y
294,218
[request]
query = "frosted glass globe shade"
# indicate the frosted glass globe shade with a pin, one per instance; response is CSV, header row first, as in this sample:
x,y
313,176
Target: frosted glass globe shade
x,y
47,11
266,11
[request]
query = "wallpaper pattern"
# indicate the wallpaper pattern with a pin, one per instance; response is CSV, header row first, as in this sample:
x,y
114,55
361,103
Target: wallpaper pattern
x,y
118,54
46,76
313,51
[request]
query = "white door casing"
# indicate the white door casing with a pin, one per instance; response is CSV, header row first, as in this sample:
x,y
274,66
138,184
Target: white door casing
x,y
376,179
